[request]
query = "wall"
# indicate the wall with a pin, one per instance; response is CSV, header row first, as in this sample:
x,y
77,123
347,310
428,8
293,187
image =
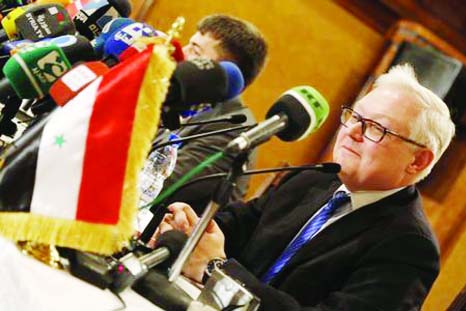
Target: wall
x,y
451,279
310,42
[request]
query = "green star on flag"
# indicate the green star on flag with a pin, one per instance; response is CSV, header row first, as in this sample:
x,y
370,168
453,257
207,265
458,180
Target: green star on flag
x,y
59,140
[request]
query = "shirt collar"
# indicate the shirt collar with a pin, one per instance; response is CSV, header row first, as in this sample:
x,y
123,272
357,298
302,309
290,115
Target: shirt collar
x,y
363,198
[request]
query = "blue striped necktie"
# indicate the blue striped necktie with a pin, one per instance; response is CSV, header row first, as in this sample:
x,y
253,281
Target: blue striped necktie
x,y
308,231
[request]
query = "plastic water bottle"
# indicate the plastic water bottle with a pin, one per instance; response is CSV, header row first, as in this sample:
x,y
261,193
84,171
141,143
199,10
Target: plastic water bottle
x,y
158,167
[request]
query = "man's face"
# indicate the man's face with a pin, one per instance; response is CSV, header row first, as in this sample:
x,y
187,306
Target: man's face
x,y
202,45
367,165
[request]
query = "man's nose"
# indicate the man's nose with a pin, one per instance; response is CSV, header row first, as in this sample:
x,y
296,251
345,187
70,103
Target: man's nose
x,y
355,131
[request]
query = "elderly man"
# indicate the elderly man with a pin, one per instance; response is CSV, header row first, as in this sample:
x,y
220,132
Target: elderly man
x,y
356,241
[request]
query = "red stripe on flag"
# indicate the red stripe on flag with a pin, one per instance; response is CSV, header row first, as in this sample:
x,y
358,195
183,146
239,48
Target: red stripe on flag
x,y
108,142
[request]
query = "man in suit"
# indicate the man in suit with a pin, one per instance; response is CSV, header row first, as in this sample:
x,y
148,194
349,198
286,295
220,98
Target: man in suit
x,y
359,240
219,38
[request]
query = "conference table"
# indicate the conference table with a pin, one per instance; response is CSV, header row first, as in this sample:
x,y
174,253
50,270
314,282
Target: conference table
x,y
28,284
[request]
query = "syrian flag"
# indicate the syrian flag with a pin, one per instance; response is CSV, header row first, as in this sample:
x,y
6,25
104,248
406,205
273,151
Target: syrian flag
x,y
71,180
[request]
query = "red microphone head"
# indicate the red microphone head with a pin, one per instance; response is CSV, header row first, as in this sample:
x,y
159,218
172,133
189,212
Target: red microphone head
x,y
177,54
129,52
72,82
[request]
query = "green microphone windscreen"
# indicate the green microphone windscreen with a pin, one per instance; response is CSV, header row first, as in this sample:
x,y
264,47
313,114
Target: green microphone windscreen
x,y
33,70
306,110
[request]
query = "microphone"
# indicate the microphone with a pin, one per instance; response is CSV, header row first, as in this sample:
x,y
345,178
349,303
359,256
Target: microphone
x,y
196,81
8,47
296,114
109,29
92,18
73,7
201,135
177,54
44,21
233,119
65,41
130,268
123,38
76,79
9,30
235,80
7,6
31,71
328,168
77,48
203,80
159,210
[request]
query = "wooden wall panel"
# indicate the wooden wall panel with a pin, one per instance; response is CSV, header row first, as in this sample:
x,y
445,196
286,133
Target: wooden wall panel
x,y
310,42
451,279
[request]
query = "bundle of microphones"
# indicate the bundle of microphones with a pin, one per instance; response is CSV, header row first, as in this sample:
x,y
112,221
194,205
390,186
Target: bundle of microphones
x,y
50,51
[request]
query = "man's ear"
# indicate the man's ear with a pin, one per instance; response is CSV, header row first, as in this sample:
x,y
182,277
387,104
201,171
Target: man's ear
x,y
422,158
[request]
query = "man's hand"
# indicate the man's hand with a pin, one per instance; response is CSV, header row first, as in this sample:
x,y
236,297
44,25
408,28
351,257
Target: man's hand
x,y
211,245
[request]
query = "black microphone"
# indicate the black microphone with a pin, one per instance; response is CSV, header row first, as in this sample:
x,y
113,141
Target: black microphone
x,y
44,21
297,113
201,135
130,267
92,18
328,168
199,81
159,210
234,119
203,80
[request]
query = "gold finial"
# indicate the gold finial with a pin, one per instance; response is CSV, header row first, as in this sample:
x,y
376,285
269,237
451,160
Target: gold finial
x,y
175,29
173,32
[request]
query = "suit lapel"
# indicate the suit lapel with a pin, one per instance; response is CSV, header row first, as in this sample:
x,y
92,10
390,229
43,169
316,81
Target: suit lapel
x,y
309,206
347,227
280,227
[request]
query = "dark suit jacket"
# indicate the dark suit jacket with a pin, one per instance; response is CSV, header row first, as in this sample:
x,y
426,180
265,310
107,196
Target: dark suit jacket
x,y
194,152
379,257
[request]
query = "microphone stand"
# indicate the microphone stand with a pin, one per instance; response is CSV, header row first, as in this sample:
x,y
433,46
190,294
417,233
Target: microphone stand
x,y
219,200
201,135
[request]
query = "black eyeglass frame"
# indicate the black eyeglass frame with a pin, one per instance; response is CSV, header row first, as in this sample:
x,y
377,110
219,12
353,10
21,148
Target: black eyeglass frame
x,y
363,121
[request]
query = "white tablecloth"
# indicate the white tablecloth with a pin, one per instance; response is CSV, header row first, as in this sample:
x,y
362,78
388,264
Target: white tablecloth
x,y
29,285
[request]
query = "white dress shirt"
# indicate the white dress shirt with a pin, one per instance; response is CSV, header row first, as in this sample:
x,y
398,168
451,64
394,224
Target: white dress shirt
x,y
358,199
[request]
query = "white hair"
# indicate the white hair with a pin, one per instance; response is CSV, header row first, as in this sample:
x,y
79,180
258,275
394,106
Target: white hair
x,y
434,127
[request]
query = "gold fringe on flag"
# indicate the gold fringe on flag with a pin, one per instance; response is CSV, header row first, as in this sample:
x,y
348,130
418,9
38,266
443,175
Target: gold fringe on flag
x,y
151,96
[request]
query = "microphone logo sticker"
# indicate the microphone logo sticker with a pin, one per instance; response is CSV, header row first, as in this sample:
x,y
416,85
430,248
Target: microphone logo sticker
x,y
132,32
203,63
39,25
111,14
50,67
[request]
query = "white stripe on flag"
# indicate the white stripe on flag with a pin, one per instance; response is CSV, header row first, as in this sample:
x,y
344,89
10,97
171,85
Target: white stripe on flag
x,y
61,154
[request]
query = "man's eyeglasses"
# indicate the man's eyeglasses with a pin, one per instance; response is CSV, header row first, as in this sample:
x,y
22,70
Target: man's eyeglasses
x,y
371,129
